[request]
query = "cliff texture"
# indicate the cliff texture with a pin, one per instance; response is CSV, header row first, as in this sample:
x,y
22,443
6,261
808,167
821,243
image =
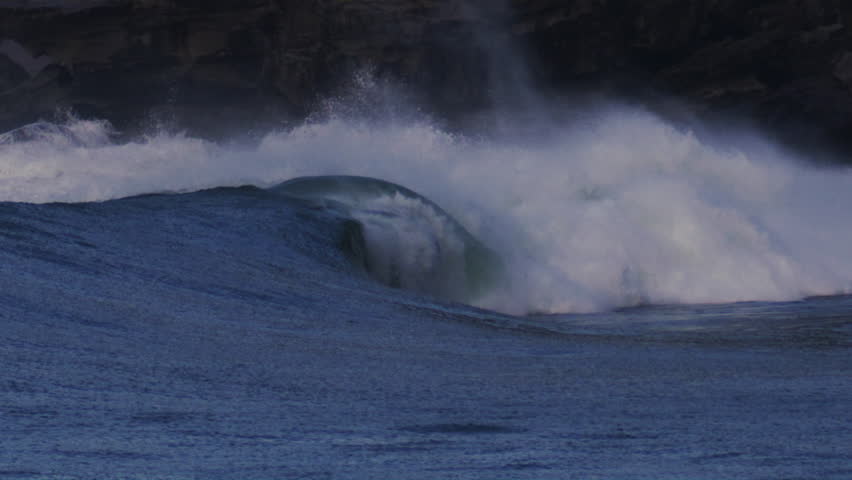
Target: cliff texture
x,y
784,62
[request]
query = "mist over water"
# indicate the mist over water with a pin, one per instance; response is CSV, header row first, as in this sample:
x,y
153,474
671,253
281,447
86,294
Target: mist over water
x,y
618,209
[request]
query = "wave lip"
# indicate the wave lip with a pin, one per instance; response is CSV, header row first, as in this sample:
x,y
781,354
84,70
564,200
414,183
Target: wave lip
x,y
402,238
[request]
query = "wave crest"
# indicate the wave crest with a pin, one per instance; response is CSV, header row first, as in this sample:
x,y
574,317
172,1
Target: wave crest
x,y
618,209
401,238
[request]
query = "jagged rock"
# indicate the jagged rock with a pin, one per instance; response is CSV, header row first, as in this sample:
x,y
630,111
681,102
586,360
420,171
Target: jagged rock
x,y
205,64
843,69
11,75
776,60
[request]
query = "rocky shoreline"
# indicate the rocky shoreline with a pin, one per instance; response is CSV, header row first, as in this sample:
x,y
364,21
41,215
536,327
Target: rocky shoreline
x,y
785,63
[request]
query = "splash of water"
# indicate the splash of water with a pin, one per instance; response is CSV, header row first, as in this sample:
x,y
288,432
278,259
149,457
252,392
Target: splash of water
x,y
621,209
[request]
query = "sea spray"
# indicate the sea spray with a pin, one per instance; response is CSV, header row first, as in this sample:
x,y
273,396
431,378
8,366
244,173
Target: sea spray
x,y
618,210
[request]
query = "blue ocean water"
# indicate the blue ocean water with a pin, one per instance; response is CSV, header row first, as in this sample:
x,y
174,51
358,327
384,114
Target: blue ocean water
x,y
667,307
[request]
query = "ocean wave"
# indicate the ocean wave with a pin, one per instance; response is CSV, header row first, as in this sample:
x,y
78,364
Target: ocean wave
x,y
620,209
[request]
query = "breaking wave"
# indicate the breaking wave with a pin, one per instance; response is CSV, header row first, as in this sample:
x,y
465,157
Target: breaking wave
x,y
401,238
621,208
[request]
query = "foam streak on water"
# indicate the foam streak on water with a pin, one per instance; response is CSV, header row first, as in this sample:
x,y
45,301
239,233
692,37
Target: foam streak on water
x,y
620,210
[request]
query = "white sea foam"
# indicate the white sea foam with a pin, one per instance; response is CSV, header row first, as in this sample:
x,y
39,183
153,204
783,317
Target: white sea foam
x,y
621,209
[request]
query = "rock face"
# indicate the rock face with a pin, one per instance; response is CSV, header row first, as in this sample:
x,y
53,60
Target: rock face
x,y
214,63
787,63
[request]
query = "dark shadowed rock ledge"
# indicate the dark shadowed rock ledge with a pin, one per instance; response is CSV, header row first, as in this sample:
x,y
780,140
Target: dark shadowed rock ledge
x,y
213,64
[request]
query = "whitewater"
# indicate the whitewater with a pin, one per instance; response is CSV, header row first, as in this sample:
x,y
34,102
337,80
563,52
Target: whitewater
x,y
618,208
582,293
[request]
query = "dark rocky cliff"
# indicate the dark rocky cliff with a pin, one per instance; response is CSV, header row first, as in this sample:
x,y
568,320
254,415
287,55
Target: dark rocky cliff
x,y
216,62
